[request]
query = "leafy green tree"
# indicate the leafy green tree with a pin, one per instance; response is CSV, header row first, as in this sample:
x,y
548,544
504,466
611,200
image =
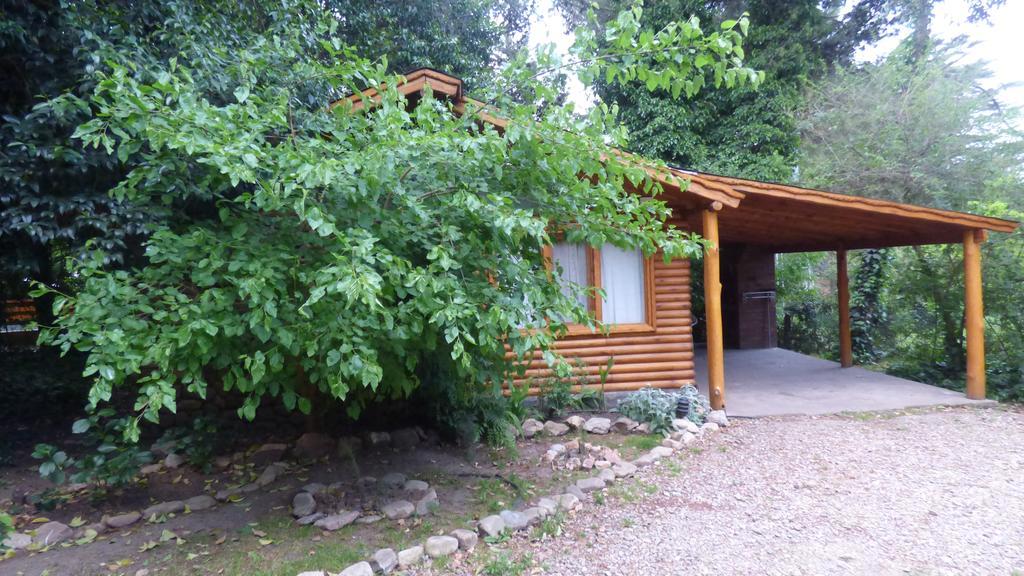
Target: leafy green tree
x,y
335,254
926,132
738,132
55,194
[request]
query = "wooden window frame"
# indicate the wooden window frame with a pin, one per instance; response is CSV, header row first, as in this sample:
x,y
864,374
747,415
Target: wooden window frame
x,y
595,303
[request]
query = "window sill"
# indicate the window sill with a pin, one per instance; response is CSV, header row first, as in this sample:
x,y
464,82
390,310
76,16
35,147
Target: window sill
x,y
616,329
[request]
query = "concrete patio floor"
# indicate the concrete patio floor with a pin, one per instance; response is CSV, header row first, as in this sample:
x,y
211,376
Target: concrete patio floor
x,y
777,382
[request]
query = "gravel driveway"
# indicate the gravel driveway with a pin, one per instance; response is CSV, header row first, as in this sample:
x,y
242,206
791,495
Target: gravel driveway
x,y
929,492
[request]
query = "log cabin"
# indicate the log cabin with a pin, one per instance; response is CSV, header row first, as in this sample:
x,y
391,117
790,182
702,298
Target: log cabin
x,y
647,303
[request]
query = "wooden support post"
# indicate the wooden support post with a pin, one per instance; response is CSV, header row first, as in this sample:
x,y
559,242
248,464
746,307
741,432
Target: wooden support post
x,y
843,282
974,315
713,312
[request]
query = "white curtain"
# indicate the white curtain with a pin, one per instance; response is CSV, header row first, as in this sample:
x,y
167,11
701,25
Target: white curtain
x,y
573,260
622,277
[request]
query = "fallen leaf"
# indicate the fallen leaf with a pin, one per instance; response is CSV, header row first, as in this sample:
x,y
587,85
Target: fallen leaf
x,y
266,541
76,522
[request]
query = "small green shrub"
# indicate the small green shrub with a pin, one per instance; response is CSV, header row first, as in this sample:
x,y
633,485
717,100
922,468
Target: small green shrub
x,y
555,397
112,461
651,406
6,527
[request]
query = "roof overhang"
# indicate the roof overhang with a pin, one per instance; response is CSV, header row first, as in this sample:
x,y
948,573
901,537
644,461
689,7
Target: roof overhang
x,y
780,217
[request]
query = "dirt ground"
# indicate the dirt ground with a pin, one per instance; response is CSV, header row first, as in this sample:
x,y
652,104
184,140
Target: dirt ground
x,y
257,535
925,492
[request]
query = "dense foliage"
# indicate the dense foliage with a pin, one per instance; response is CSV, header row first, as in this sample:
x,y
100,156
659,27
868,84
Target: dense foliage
x,y
54,193
738,132
354,255
923,131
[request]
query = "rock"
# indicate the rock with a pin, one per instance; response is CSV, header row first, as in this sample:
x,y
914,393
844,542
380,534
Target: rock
x,y
358,569
311,519
314,488
552,428
597,425
384,560
174,460
717,417
393,479
514,520
52,533
122,520
574,422
534,515
660,452
250,487
377,439
370,519
366,481
531,427
313,573
587,463
623,470
643,428
467,538
269,475
645,461
97,527
405,439
16,541
623,425
225,494
416,486
575,491
568,502
607,476
708,427
438,546
612,455
398,510
303,504
491,526
573,464
549,504
427,504
602,464
410,557
201,502
688,438
348,446
172,507
313,445
336,521
572,446
672,444
268,453
162,449
222,462
685,424
151,469
142,572
590,484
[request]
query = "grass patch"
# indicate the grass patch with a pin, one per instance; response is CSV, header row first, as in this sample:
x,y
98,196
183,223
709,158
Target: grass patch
x,y
503,564
496,494
642,442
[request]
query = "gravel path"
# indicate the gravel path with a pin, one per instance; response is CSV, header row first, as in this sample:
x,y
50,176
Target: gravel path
x,y
933,492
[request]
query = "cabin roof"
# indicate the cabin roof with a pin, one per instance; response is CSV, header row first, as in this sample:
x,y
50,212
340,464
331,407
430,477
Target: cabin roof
x,y
781,217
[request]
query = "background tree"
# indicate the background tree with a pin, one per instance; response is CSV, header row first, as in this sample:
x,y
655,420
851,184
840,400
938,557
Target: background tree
x,y
923,131
737,132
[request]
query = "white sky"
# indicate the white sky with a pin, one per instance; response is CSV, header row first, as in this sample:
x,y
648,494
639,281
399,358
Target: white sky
x,y
1000,43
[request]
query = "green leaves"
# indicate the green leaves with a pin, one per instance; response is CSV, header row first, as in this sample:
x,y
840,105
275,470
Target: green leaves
x,y
338,257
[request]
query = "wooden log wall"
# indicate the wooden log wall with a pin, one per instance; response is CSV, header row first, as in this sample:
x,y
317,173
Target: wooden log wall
x,y
662,357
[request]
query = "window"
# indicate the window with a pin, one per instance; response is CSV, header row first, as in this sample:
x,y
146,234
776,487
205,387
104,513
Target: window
x,y
574,260
624,275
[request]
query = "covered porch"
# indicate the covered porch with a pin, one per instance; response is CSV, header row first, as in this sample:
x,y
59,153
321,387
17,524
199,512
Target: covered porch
x,y
778,382
747,223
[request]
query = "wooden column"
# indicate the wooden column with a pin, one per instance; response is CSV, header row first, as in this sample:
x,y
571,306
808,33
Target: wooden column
x,y
843,283
713,311
974,315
